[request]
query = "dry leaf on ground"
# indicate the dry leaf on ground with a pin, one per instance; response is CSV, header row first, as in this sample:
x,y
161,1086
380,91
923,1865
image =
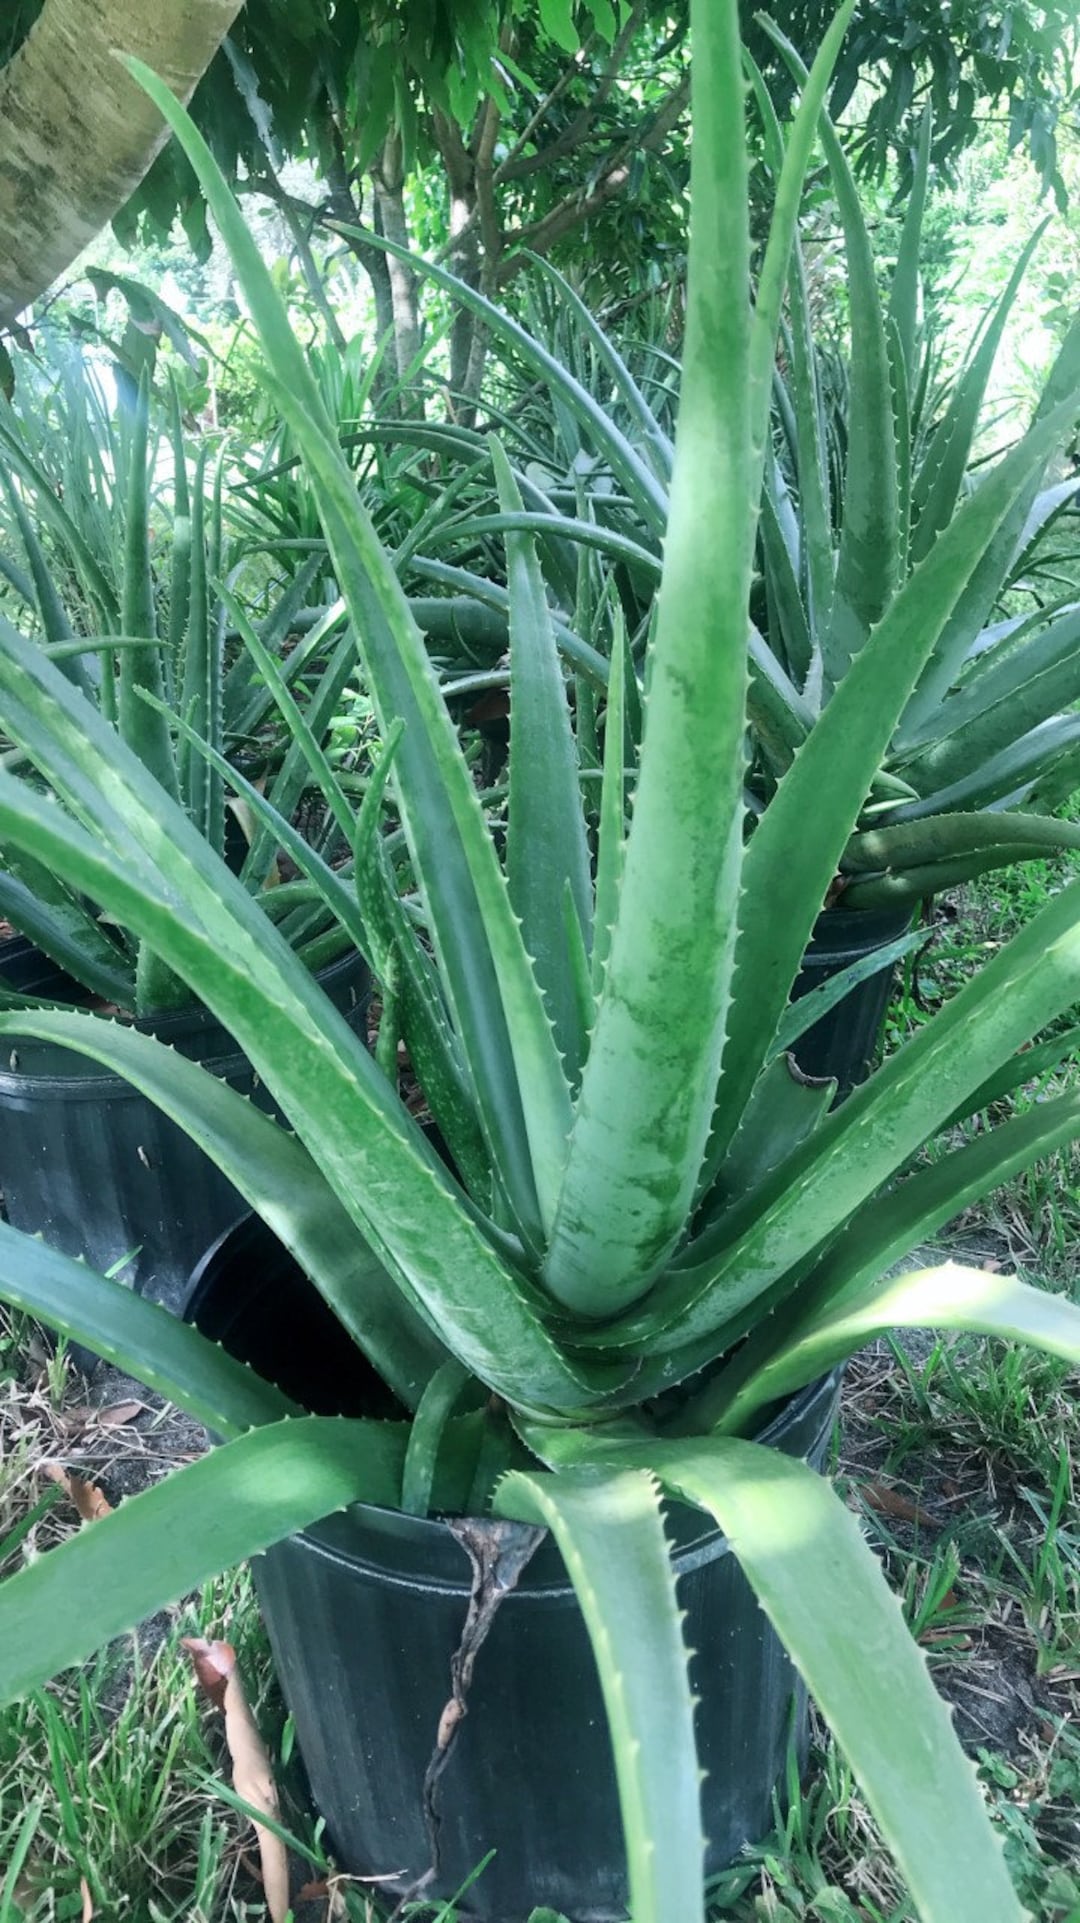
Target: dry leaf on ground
x,y
253,1779
89,1500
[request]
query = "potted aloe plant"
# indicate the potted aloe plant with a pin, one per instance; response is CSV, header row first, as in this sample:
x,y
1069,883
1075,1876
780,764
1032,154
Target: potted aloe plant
x,y
647,1243
83,1159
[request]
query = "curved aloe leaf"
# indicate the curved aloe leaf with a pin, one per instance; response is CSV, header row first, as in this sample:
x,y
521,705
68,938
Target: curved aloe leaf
x,y
39,905
333,1094
866,565
904,293
273,1173
493,990
941,477
644,1112
724,1282
610,1531
815,1577
204,1518
947,1297
137,1336
834,771
546,849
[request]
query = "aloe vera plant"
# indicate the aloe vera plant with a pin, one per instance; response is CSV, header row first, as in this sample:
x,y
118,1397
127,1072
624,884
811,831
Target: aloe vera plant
x,y
649,1228
987,743
83,518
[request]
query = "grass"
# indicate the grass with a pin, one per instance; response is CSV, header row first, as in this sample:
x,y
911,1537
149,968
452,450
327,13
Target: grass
x,y
960,1456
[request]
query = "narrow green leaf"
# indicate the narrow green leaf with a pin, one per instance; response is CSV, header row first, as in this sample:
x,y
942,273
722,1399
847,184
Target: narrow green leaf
x,y
277,1177
204,1518
436,1406
136,1336
824,1592
142,728
645,1107
947,1297
546,849
904,293
608,1526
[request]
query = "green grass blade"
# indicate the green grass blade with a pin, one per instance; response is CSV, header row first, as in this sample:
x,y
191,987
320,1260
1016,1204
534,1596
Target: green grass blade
x,y
203,1518
646,1099
276,1176
546,849
611,1534
137,1336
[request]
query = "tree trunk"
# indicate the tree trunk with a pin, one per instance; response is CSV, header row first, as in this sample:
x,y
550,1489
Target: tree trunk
x,y
77,133
389,179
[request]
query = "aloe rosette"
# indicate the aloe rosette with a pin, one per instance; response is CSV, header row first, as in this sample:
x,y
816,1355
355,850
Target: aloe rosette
x,y
650,1227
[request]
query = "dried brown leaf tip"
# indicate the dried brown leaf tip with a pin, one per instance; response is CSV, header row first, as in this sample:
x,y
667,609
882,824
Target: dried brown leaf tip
x,y
87,1901
216,1672
88,1499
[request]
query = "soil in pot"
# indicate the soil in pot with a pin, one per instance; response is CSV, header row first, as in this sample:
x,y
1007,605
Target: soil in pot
x,y
97,1170
366,1612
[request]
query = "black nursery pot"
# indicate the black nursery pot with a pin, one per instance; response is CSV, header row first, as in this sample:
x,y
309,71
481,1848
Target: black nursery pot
x,y
843,1042
94,1167
366,1611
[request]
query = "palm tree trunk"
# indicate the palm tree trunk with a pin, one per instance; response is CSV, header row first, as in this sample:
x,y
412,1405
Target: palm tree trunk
x,y
77,133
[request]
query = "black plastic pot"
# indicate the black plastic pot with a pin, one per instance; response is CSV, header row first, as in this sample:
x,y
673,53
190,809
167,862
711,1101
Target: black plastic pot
x,y
843,1043
366,1611
95,1169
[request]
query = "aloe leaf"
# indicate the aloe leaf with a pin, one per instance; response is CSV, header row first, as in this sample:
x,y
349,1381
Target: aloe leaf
x,y
941,476
141,727
990,577
977,837
497,1005
787,197
655,439
589,534
436,1406
96,584
276,1176
801,1015
493,599
370,1152
644,1112
835,769
904,293
245,701
163,1543
789,621
1007,776
546,849
947,1297
785,1107
55,624
493,990
292,777
824,1592
759,1252
609,1529
1028,1065
999,702
49,914
137,1336
611,840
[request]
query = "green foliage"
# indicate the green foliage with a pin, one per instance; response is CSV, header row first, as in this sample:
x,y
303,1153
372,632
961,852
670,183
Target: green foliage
x,y
596,1264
